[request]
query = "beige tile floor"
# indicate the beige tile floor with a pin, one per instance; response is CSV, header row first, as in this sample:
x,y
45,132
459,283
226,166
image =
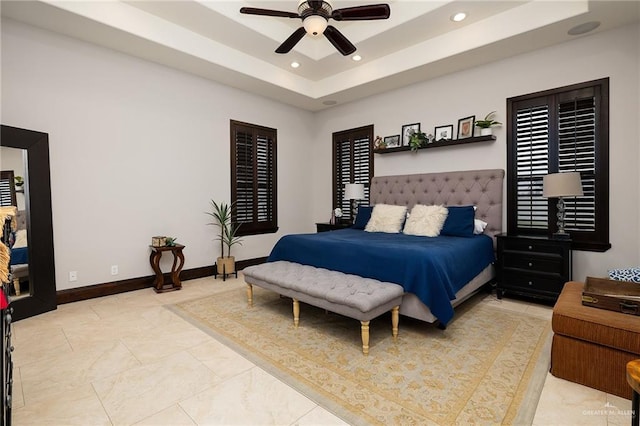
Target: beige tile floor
x,y
124,360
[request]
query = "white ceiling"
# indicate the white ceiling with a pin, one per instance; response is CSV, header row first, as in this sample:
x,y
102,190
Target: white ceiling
x,y
418,42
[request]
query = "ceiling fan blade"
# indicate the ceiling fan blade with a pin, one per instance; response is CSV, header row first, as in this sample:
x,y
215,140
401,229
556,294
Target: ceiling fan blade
x,y
291,41
339,41
268,12
362,13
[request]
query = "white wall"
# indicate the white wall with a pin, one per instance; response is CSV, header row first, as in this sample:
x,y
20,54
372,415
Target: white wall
x,y
137,150
614,54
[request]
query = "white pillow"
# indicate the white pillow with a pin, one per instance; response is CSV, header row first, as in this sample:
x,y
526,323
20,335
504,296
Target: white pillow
x,y
426,221
478,226
386,218
21,238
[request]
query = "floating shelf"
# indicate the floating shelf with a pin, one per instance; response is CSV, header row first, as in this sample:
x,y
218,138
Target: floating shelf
x,y
437,144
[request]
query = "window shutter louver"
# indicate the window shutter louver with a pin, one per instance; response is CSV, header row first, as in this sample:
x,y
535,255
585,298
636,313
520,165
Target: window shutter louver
x,y
352,163
557,131
253,178
532,144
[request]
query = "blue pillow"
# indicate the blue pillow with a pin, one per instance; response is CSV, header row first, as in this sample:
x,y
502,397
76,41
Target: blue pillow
x,y
363,216
459,221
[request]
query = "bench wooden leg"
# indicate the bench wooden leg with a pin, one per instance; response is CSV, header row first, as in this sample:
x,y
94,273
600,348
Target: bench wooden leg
x,y
16,286
250,295
296,313
365,337
395,319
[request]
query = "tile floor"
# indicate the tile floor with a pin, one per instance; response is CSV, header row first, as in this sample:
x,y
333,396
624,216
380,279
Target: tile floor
x,y
124,359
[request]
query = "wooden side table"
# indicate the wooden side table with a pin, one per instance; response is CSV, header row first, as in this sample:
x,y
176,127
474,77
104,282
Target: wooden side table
x,y
633,377
326,226
174,283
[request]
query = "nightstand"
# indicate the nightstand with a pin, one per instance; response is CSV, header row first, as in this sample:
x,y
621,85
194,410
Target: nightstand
x,y
533,266
326,226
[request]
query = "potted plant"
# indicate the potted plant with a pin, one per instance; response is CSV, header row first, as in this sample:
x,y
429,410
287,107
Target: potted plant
x,y
221,213
486,124
19,181
417,140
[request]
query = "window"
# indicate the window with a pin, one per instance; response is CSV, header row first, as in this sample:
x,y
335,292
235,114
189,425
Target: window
x,y
352,163
253,178
560,130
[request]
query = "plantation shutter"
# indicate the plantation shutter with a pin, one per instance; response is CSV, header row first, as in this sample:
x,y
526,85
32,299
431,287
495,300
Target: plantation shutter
x,y
532,164
352,163
576,152
253,178
560,130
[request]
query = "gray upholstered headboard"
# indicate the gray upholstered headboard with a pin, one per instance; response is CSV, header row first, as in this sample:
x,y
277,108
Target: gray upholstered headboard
x,y
481,188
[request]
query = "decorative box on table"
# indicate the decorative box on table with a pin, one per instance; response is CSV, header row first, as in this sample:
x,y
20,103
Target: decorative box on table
x,y
618,296
158,241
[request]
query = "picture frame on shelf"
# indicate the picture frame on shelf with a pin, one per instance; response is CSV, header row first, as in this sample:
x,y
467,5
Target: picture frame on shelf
x,y
407,131
465,127
392,141
443,133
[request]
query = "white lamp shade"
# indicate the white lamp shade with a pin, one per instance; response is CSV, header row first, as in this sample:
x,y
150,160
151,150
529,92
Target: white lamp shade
x,y
314,24
562,185
354,191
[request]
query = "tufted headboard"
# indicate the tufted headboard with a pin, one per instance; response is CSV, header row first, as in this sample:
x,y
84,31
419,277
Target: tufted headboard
x,y
481,188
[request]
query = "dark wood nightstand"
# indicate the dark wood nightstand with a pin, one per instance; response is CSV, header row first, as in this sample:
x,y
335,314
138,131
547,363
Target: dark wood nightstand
x,y
533,266
326,226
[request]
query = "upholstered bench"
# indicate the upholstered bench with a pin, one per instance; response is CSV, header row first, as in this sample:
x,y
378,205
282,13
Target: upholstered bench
x,y
592,346
350,295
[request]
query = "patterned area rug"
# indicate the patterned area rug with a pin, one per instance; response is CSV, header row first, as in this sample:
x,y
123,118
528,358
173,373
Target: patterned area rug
x,y
487,367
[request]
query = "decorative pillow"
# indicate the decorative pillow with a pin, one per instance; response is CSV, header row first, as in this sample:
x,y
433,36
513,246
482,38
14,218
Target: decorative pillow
x,y
625,274
478,226
363,216
425,221
386,218
21,238
460,221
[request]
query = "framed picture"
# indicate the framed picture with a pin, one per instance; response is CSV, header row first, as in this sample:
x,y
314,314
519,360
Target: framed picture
x,y
465,127
407,131
392,141
443,133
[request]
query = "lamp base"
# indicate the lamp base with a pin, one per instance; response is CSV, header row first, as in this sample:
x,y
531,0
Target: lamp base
x,y
560,236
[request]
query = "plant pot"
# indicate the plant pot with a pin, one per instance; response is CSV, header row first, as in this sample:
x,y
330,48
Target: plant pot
x,y
226,265
487,131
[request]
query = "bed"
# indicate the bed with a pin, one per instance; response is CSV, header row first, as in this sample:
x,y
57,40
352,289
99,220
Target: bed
x,y
434,283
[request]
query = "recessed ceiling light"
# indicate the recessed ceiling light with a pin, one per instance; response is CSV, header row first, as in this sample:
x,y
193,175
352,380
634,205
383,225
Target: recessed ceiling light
x,y
356,58
584,28
295,64
458,16
329,102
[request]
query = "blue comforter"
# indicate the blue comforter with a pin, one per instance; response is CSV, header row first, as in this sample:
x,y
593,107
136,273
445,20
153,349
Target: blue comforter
x,y
434,269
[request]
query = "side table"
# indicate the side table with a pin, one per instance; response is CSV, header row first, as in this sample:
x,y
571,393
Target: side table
x,y
326,226
174,283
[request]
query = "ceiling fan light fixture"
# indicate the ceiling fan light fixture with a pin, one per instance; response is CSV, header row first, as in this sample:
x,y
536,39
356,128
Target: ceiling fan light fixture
x,y
315,24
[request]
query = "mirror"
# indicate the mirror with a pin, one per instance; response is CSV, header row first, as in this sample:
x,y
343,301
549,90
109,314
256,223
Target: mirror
x,y
39,224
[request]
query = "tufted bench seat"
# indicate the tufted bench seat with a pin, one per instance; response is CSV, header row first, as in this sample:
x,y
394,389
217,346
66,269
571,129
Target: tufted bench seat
x,y
350,295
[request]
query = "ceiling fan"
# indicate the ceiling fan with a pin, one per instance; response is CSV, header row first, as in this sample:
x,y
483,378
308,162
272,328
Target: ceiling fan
x,y
315,15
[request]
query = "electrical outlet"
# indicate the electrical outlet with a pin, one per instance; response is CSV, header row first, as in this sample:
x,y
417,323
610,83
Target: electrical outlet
x,y
73,276
114,269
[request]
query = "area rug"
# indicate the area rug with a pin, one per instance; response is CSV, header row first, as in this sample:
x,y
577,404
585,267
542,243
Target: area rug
x,y
487,367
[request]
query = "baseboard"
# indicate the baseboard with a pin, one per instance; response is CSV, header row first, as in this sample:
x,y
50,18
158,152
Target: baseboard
x,y
123,286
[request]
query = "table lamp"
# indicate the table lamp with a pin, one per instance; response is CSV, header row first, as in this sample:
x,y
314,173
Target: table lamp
x,y
560,185
353,192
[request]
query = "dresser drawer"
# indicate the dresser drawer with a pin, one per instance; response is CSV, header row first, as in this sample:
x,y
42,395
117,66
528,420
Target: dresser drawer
x,y
533,246
531,262
531,283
